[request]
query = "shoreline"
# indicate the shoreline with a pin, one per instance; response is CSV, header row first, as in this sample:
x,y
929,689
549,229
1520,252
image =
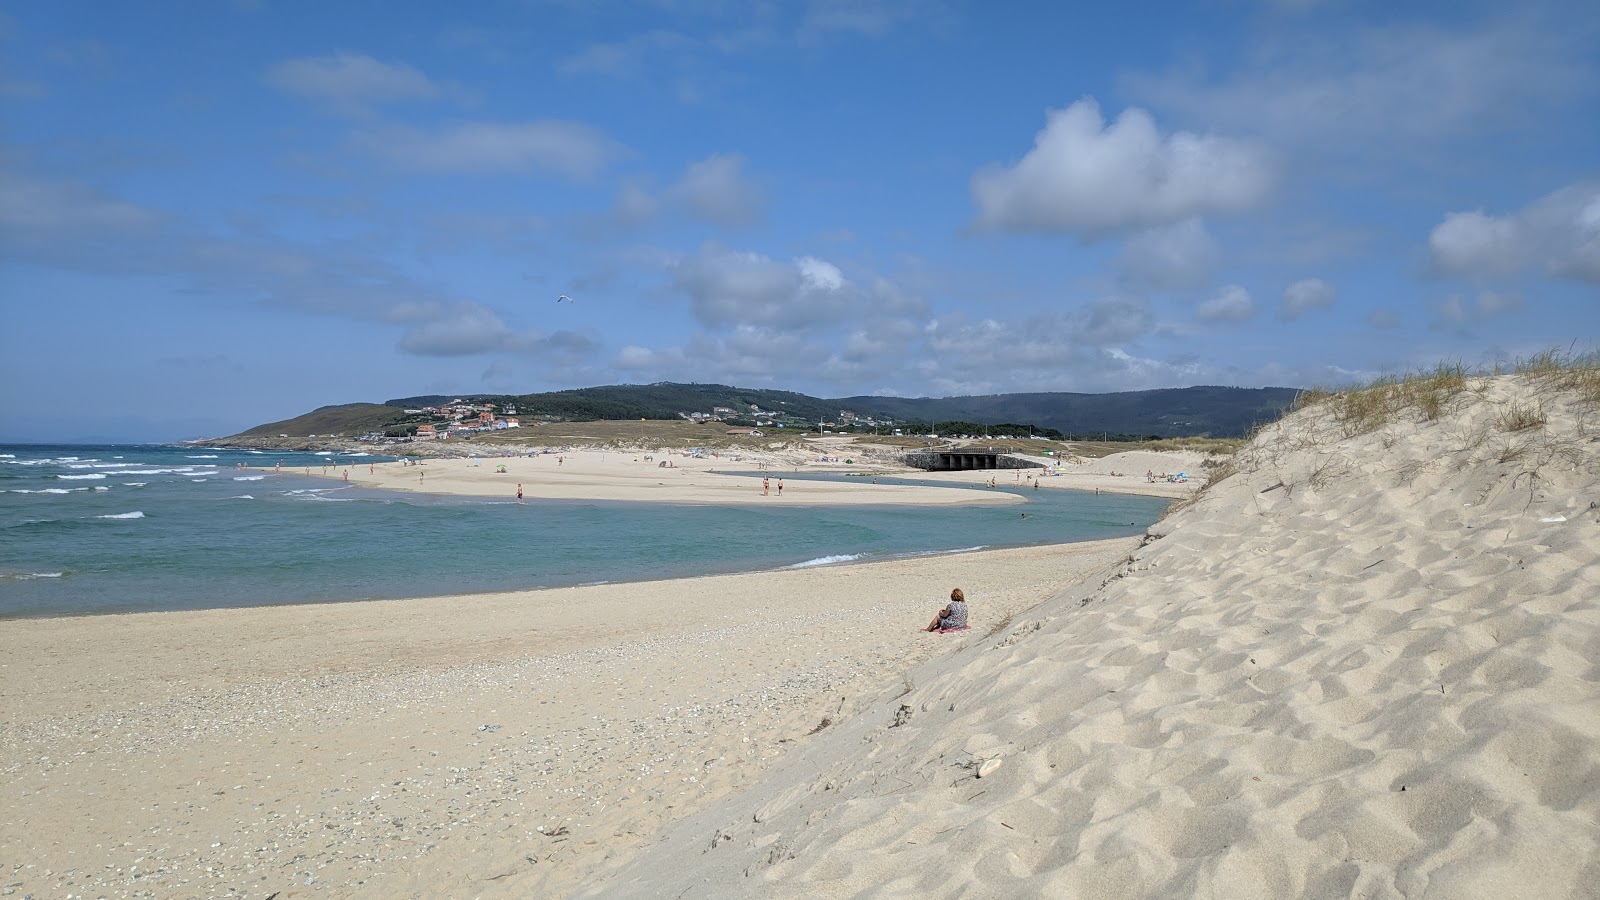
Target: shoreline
x,y
373,745
588,474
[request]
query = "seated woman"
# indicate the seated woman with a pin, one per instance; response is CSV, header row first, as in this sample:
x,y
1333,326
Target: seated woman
x,y
954,616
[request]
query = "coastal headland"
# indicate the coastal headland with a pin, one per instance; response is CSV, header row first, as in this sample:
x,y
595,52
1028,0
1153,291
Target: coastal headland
x,y
1360,662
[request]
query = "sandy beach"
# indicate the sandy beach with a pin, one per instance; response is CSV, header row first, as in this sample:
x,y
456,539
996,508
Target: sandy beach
x,y
489,745
1361,663
655,477
660,476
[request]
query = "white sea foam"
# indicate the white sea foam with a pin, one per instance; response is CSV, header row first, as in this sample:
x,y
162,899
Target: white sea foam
x,y
826,560
77,477
101,487
28,576
8,456
203,456
248,477
198,480
134,483
128,515
324,453
242,497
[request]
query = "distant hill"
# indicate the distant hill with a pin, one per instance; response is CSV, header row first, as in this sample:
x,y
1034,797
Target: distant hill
x,y
1175,412
344,420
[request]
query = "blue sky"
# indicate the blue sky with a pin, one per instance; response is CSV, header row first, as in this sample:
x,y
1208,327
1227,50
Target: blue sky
x,y
214,215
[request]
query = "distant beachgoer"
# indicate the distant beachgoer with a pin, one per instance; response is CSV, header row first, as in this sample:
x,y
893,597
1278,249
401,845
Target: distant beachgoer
x,y
954,616
780,487
519,493
764,486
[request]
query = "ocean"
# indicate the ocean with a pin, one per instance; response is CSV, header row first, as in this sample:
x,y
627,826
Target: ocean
x,y
123,528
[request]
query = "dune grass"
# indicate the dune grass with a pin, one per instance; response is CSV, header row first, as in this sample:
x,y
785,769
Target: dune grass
x,y
1431,394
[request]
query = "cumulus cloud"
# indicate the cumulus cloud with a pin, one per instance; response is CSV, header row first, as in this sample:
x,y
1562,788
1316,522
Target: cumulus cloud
x,y
1233,304
75,227
1362,90
1088,179
1305,295
729,287
572,149
1559,233
1457,310
35,204
717,190
351,83
471,329
1172,257
1473,242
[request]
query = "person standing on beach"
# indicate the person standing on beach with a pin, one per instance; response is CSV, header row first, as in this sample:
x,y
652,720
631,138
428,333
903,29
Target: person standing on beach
x,y
780,487
765,484
954,616
519,493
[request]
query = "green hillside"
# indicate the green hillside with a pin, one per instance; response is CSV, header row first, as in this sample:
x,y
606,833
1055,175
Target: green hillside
x,y
344,420
1178,412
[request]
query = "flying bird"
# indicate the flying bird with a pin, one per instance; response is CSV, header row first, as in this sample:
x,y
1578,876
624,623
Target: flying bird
x,y
563,297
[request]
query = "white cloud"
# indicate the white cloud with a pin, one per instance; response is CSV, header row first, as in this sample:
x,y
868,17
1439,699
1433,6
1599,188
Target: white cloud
x,y
716,189
1456,310
351,83
1365,89
34,204
729,288
1559,233
1233,304
1171,257
1086,178
1305,295
623,58
869,18
567,148
1473,242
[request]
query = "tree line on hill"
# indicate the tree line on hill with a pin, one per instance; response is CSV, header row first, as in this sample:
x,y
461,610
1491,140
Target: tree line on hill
x,y
1132,415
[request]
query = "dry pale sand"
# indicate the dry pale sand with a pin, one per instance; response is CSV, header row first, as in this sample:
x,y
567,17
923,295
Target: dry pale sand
x,y
1119,473
641,476
1366,665
509,745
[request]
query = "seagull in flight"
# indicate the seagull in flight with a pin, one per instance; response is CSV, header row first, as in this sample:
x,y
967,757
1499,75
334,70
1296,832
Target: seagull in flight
x,y
563,297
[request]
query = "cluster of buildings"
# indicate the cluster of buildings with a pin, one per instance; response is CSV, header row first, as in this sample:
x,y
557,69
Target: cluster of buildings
x,y
765,418
461,419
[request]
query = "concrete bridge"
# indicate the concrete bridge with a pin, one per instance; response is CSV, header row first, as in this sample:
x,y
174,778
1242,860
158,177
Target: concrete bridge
x,y
967,460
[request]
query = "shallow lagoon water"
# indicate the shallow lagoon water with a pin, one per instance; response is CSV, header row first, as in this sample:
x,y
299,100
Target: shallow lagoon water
x,y
165,528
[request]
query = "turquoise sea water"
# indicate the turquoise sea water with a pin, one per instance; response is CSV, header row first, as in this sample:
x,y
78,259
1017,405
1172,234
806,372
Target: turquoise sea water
x,y
95,529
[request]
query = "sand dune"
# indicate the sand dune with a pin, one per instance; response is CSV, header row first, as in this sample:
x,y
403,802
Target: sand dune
x,y
1367,664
